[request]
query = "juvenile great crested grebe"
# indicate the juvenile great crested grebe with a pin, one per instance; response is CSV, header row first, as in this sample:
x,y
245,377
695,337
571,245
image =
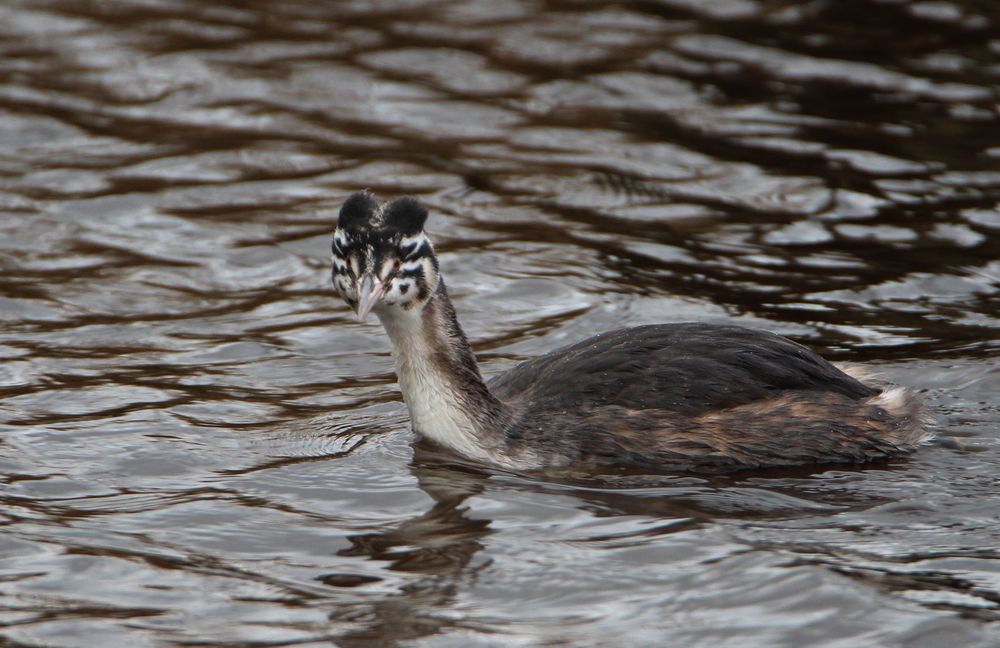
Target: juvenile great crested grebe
x,y
668,396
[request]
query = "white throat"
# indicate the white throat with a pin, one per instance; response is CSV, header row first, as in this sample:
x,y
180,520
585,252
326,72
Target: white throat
x,y
434,400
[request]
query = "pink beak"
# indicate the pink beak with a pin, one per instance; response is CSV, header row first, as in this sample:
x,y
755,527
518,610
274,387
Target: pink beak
x,y
369,294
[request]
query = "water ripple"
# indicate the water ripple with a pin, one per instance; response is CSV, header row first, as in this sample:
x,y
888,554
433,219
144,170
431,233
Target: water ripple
x,y
200,446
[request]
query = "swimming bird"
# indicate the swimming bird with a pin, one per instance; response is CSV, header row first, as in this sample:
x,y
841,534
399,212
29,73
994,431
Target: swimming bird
x,y
673,397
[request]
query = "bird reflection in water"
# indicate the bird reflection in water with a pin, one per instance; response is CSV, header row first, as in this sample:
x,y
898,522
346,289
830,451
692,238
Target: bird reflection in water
x,y
440,545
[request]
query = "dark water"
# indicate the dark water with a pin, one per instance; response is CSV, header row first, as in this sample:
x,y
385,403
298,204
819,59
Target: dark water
x,y
200,446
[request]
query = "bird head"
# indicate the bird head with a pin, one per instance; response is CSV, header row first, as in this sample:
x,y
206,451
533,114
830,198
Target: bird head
x,y
382,258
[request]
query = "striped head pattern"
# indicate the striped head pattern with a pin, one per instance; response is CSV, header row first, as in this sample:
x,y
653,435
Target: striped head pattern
x,y
381,256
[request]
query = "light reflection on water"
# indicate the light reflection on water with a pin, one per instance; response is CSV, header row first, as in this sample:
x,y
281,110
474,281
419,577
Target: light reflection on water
x,y
201,445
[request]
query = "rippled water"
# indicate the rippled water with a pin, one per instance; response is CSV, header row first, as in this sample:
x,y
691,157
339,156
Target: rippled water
x,y
200,446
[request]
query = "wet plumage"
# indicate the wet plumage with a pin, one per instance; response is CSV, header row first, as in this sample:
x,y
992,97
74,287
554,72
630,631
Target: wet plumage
x,y
671,396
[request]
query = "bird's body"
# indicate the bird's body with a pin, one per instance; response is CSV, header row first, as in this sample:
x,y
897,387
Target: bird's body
x,y
664,397
709,397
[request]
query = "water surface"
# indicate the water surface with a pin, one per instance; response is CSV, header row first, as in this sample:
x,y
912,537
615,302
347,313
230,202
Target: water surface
x,y
200,446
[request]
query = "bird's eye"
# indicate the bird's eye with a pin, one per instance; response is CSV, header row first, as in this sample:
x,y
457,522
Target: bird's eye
x,y
397,265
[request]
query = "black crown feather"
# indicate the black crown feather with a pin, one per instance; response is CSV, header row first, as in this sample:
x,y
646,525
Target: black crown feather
x,y
357,210
406,215
361,211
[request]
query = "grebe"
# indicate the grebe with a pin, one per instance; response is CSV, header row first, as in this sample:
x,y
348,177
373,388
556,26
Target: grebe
x,y
668,396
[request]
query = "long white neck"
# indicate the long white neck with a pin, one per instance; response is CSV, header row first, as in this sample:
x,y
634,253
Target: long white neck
x,y
448,401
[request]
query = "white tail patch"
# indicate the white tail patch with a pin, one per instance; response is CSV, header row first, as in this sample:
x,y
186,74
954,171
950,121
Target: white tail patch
x,y
913,419
895,400
899,402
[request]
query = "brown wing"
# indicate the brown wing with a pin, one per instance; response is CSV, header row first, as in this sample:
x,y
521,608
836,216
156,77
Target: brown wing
x,y
683,369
